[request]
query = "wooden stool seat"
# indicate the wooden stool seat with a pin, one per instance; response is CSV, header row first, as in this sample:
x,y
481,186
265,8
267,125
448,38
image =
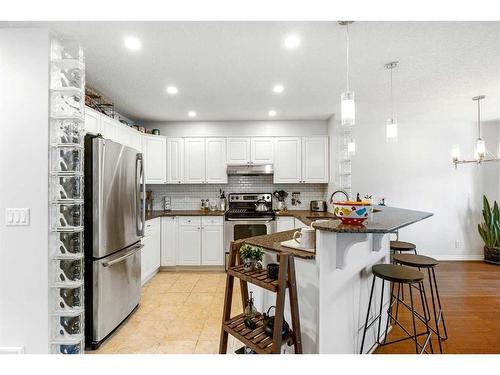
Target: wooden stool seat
x,y
413,260
397,274
402,246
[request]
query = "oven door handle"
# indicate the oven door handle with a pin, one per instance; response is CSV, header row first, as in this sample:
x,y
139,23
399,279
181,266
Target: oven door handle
x,y
252,219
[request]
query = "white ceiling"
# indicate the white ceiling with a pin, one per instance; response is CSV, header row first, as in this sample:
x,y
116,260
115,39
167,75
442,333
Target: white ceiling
x,y
226,70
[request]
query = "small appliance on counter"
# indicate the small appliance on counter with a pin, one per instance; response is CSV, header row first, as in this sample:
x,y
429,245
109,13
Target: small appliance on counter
x,y
318,206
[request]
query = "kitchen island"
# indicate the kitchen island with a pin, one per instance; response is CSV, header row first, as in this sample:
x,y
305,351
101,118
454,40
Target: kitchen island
x,y
334,282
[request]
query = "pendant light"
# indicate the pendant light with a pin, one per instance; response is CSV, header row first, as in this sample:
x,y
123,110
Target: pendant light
x,y
347,106
480,145
391,126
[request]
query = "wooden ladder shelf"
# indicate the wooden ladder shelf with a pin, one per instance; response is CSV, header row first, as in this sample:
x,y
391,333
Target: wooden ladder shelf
x,y
257,339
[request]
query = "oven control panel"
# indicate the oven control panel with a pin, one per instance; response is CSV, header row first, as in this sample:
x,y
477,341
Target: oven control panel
x,y
249,197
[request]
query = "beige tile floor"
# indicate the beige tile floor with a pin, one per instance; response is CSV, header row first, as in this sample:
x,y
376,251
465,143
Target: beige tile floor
x,y
179,313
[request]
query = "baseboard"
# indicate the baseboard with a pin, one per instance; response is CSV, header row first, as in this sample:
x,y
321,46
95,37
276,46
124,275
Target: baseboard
x,y
192,268
12,350
459,257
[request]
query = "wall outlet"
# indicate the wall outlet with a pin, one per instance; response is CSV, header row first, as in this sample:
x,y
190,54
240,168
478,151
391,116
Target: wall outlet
x,y
17,216
457,244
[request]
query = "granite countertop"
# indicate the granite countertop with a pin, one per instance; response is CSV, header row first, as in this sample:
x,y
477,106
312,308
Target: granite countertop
x,y
386,220
154,214
272,241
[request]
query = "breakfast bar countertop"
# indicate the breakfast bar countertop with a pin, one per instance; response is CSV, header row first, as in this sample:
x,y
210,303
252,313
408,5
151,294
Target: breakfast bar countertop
x,y
385,220
272,242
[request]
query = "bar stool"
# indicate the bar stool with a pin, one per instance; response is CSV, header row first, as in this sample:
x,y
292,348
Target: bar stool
x,y
397,274
422,261
402,246
399,247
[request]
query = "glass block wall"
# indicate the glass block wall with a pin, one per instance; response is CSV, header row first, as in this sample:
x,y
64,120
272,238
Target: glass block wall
x,y
67,104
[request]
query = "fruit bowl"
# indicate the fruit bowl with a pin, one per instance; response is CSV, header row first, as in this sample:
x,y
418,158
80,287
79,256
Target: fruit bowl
x,y
349,212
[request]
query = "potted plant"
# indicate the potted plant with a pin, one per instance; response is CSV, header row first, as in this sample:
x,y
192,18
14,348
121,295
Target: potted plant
x,y
489,231
252,257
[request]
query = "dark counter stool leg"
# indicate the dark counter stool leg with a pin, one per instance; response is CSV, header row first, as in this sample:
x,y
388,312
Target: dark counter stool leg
x,y
397,274
420,261
400,247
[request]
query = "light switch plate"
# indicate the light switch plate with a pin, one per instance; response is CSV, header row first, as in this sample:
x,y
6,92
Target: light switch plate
x,y
17,216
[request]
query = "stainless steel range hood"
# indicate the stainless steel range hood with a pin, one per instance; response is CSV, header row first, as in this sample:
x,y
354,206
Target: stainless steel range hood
x,y
250,169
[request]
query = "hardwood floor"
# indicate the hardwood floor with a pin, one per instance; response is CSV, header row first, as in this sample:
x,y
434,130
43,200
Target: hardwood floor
x,y
470,295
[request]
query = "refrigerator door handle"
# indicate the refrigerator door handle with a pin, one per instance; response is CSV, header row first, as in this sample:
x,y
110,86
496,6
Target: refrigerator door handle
x,y
141,195
134,250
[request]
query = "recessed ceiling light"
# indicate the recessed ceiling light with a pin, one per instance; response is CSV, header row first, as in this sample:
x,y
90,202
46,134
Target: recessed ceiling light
x,y
192,114
132,43
292,41
172,90
272,113
278,89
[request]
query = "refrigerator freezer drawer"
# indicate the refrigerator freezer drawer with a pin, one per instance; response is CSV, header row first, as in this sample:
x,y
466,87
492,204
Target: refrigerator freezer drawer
x,y
116,289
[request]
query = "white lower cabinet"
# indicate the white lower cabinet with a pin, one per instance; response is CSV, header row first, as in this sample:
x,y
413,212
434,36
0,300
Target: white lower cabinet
x,y
192,241
189,253
151,251
284,223
169,235
212,241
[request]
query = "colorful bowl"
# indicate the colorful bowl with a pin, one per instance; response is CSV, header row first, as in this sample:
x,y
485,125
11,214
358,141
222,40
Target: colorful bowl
x,y
353,213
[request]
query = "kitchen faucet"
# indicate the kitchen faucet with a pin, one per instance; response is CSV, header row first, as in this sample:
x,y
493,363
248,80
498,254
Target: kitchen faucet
x,y
339,191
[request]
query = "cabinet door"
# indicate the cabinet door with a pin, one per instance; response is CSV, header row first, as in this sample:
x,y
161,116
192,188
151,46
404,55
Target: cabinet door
x,y
315,159
154,149
215,161
262,150
189,253
238,150
151,252
136,140
122,134
109,128
92,121
212,245
284,223
169,232
194,160
175,160
287,163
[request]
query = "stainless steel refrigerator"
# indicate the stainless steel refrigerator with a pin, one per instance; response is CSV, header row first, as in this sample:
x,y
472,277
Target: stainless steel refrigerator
x,y
114,225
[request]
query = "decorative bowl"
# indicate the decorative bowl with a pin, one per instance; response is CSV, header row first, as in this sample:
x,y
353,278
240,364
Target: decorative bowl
x,y
353,213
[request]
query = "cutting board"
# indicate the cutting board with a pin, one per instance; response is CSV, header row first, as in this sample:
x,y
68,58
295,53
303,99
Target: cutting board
x,y
292,244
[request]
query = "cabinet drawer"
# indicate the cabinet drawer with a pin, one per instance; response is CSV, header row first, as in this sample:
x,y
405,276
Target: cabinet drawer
x,y
190,220
212,220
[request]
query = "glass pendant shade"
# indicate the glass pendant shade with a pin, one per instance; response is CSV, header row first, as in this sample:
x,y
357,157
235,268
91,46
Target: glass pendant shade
x,y
391,131
455,152
480,149
347,108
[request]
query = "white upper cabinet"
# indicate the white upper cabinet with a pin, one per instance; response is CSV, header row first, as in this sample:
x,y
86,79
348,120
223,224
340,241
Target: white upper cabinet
x,y
92,121
215,161
314,159
109,128
238,151
175,160
154,150
287,163
262,150
194,160
136,139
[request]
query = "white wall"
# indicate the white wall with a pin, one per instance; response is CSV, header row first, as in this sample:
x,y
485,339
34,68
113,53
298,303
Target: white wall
x,y
24,83
417,172
240,128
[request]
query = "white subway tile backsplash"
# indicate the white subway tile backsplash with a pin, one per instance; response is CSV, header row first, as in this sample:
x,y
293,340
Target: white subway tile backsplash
x,y
188,197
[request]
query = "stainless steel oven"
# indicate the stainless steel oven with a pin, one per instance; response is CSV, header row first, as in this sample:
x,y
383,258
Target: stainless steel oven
x,y
244,220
